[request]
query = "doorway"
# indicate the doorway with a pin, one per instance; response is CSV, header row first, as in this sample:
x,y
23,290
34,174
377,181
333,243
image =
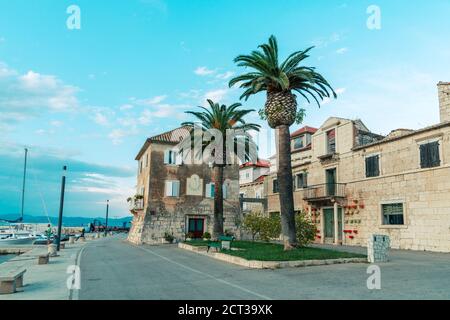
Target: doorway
x,y
196,226
331,182
329,224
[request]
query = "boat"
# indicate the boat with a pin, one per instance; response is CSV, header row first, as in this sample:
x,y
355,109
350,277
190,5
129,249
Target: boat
x,y
15,232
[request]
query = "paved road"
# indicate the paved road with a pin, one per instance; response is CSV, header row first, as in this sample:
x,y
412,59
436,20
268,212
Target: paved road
x,y
113,269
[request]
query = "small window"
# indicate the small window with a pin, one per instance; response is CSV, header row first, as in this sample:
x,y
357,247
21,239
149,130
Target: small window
x,y
172,189
298,143
146,161
172,157
275,186
372,166
210,190
331,141
301,180
140,166
393,214
429,155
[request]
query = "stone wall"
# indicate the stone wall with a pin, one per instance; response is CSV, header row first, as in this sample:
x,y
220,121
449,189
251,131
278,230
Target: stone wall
x,y
163,214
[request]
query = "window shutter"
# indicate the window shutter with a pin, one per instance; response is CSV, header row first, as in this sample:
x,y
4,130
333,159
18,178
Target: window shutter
x,y
294,184
179,158
213,191
175,188
168,188
434,154
376,164
368,167
225,191
167,157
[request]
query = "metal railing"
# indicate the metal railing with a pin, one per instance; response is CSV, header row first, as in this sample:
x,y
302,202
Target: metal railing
x,y
325,190
137,204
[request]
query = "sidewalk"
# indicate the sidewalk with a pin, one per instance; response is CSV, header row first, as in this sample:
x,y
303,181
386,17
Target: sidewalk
x,y
45,282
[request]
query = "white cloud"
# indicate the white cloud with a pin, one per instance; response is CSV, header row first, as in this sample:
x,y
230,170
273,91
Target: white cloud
x,y
117,136
342,50
204,71
126,107
151,101
216,95
340,90
101,119
56,123
225,75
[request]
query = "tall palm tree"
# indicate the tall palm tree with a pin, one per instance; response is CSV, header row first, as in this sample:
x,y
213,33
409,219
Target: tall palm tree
x,y
279,81
222,118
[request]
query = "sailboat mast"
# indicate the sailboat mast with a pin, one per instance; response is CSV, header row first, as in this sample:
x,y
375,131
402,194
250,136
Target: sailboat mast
x,y
23,185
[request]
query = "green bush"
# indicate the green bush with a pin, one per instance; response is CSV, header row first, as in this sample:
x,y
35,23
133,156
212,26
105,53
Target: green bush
x,y
169,237
270,228
266,228
207,235
306,230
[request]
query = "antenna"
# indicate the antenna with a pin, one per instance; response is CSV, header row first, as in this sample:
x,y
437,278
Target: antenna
x,y
23,185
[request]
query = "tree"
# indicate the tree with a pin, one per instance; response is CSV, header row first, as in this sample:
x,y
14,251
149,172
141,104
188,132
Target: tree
x,y
221,119
281,110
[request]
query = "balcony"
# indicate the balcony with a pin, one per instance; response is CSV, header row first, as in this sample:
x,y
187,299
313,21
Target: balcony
x,y
136,205
326,191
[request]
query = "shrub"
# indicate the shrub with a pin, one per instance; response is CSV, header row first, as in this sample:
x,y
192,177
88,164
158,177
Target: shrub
x,y
190,235
169,237
229,233
252,224
306,230
270,228
207,235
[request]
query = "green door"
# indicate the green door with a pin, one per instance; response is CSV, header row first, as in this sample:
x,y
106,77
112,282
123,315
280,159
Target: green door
x,y
329,223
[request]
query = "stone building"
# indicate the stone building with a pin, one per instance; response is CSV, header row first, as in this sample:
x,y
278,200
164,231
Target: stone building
x,y
354,183
252,189
176,196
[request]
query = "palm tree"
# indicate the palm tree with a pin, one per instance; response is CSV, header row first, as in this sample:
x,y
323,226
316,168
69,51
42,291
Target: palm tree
x,y
279,81
222,118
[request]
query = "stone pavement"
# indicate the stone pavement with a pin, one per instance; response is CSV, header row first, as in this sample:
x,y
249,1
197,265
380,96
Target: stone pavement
x,y
45,282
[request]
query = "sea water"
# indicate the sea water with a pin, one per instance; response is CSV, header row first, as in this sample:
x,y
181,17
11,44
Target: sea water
x,y
6,257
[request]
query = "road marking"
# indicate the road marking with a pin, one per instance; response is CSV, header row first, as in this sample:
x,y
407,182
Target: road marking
x,y
205,274
74,294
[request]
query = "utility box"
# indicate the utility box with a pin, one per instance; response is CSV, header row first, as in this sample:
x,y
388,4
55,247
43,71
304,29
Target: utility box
x,y
378,248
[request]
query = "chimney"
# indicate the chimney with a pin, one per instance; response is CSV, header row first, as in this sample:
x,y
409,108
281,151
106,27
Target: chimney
x,y
444,101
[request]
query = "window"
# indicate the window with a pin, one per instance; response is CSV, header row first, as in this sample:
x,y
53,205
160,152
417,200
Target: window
x,y
429,155
392,214
301,180
172,157
172,189
372,166
331,141
275,186
210,190
298,143
146,161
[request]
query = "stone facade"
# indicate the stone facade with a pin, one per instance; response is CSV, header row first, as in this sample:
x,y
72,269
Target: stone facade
x,y
172,214
361,204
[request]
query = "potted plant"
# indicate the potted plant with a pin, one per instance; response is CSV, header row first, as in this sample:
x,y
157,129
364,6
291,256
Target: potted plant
x,y
189,236
169,238
207,236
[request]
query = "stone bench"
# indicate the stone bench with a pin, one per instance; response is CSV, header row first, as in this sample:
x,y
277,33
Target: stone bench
x,y
43,259
11,278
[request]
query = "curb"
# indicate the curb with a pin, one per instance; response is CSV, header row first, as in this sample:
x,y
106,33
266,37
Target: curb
x,y
268,264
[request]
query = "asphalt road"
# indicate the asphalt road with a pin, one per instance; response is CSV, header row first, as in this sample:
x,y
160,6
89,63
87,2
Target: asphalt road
x,y
114,269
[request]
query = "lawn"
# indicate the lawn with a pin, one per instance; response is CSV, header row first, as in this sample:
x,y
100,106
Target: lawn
x,y
261,251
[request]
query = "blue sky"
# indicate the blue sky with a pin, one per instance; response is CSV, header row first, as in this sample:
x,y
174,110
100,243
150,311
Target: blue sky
x,y
88,98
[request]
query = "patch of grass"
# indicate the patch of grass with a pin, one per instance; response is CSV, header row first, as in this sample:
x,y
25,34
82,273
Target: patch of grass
x,y
259,251
197,243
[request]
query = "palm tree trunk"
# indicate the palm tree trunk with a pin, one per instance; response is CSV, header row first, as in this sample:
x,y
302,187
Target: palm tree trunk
x,y
286,188
218,201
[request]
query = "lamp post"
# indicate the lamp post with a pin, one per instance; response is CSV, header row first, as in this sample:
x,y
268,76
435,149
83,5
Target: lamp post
x,y
106,223
61,207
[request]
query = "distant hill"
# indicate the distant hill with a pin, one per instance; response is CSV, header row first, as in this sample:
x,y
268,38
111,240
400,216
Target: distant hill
x,y
69,221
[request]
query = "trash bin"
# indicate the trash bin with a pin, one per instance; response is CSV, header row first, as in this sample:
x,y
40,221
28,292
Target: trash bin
x,y
378,248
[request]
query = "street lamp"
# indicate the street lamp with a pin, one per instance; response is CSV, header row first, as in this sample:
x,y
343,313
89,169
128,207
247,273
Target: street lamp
x,y
106,223
61,207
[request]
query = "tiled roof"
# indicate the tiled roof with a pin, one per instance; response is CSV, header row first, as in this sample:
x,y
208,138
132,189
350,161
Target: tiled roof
x,y
305,129
173,136
259,164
